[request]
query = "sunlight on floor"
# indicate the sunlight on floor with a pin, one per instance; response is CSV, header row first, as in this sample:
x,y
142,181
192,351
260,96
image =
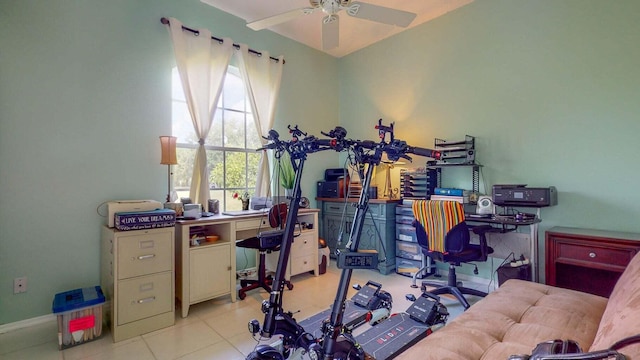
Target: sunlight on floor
x,y
215,329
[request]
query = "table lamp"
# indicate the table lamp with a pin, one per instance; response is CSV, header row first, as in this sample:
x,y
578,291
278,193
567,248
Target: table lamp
x,y
168,147
388,188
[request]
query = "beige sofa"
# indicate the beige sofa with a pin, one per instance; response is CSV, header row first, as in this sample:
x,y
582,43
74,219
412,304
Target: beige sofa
x,y
520,314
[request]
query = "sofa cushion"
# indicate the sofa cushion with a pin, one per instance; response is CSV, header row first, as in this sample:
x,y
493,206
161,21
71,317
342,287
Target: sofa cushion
x,y
513,320
622,316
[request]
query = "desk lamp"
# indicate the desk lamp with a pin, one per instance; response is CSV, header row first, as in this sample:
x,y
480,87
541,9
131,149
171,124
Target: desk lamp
x,y
388,164
168,147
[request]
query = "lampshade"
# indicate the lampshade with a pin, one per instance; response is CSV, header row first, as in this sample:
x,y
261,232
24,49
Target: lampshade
x,y
168,146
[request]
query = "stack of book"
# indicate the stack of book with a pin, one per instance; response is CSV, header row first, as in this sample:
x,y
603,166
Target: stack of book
x,y
355,188
451,194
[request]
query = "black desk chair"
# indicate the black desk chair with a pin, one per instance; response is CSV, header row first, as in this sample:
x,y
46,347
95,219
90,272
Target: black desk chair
x,y
265,242
447,239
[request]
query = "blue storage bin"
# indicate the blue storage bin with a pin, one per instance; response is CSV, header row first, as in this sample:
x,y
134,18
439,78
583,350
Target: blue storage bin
x,y
79,315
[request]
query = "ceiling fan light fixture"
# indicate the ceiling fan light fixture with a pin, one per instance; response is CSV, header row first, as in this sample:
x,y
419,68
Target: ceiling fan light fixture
x,y
329,19
331,7
353,9
330,23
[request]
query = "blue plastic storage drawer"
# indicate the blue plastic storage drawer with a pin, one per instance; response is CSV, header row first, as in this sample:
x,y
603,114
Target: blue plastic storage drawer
x,y
408,250
408,267
406,233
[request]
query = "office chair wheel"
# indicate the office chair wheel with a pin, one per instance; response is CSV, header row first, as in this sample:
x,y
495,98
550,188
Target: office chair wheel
x,y
290,286
242,295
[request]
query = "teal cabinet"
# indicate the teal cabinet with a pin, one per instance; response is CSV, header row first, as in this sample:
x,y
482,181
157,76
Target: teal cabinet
x,y
378,231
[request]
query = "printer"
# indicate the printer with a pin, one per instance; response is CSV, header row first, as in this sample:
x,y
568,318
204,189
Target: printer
x,y
334,185
116,206
521,195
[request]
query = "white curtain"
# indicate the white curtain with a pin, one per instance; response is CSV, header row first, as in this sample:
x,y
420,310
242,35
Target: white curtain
x,y
202,63
262,77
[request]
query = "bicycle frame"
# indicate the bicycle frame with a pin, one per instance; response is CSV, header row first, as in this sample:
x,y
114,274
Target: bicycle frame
x,y
276,320
336,342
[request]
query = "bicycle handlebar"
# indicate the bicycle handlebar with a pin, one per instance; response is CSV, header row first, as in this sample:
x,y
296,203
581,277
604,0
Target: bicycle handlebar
x,y
424,152
395,149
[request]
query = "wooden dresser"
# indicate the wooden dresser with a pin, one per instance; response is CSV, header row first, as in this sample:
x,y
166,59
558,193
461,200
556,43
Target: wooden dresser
x,y
588,260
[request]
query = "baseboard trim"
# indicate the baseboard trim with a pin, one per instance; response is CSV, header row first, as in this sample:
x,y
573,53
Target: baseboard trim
x,y
22,324
444,273
40,320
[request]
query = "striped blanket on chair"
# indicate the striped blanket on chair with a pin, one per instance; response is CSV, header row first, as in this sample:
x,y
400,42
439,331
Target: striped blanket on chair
x,y
438,217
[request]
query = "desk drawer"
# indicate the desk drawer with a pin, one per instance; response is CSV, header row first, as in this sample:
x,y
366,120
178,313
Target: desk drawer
x,y
302,264
250,224
144,254
594,254
338,207
144,297
304,244
378,211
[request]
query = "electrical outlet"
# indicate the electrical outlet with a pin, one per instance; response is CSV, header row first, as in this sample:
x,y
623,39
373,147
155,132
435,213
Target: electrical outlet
x,y
20,285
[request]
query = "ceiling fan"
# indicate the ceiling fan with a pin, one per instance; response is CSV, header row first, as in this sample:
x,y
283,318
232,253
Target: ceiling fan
x,y
330,23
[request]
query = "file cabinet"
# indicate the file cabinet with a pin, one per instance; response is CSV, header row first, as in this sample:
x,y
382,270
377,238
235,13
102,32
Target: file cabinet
x,y
137,277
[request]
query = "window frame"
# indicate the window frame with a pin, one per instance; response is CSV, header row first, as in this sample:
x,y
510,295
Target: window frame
x,y
222,113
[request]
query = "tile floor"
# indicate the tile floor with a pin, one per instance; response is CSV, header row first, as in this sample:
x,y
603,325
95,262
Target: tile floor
x,y
215,329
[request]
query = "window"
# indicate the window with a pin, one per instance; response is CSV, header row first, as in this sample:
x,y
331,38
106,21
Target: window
x,y
231,144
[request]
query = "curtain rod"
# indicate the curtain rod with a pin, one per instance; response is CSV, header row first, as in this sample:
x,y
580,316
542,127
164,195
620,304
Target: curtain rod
x,y
165,21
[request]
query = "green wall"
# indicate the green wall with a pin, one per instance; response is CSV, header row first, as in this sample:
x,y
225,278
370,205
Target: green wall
x,y
85,91
548,87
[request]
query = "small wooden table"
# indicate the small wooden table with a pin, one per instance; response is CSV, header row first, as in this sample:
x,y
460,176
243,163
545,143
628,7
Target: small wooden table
x,y
588,260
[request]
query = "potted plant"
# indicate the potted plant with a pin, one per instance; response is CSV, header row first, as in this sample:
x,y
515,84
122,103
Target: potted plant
x,y
287,174
244,198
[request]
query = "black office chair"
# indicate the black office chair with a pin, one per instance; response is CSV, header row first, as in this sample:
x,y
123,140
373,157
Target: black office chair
x,y
265,242
449,242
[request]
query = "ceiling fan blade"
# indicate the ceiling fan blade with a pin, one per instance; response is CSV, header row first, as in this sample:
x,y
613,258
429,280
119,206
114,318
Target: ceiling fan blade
x,y
279,19
330,35
380,14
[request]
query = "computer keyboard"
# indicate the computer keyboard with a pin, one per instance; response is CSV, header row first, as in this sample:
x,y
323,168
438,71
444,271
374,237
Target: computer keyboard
x,y
478,216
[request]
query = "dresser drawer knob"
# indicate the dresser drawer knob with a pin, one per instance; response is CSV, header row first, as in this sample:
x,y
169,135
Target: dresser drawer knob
x,y
592,255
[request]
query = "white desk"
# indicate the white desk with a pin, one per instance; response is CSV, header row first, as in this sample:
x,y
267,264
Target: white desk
x,y
208,270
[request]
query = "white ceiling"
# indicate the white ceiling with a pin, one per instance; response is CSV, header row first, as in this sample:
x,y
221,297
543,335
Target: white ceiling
x,y
355,33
